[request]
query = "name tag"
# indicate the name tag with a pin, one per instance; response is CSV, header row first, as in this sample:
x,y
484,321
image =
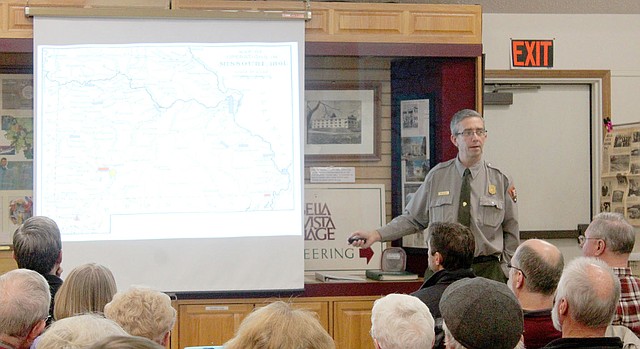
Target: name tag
x,y
443,193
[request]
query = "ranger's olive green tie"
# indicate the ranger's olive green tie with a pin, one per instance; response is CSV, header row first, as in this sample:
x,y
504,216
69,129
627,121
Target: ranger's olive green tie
x,y
464,209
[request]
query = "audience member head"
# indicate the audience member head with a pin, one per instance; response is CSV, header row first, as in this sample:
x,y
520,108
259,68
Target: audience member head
x,y
126,342
609,236
536,267
461,115
37,245
24,307
586,298
451,246
86,290
78,332
143,312
481,313
279,325
400,321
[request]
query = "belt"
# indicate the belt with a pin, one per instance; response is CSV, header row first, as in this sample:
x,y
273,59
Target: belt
x,y
483,259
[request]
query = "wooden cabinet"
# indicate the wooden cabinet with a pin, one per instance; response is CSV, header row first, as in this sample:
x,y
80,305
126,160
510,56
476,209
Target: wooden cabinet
x,y
330,21
352,323
6,261
321,308
343,309
209,324
213,322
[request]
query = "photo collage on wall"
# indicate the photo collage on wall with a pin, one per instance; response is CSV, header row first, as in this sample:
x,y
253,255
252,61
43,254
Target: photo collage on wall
x,y
16,152
415,155
620,180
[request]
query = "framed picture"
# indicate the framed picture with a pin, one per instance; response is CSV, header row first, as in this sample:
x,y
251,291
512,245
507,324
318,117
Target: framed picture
x,y
341,121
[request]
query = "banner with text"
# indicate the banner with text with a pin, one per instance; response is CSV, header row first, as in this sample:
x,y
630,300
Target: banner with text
x,y
331,213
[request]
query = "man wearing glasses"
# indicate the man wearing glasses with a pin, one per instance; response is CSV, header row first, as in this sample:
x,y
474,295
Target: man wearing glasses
x,y
489,210
610,238
24,308
535,271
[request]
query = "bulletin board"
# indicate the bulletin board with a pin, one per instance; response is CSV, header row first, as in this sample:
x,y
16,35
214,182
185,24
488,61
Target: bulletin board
x,y
620,181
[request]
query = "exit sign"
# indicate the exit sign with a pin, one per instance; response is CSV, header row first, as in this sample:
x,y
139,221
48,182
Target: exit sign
x,y
531,53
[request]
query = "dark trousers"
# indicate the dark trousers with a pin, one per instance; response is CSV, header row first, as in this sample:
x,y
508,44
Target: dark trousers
x,y
488,267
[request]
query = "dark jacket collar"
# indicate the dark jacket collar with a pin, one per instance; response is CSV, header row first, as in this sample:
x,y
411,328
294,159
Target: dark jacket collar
x,y
447,277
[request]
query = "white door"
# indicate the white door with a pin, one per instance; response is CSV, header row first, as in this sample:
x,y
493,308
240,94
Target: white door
x,y
543,141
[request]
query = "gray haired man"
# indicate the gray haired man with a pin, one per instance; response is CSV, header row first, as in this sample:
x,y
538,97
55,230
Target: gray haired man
x,y
37,246
24,308
610,238
585,302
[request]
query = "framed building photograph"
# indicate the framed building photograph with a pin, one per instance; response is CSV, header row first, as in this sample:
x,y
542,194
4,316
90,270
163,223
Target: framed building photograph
x,y
341,121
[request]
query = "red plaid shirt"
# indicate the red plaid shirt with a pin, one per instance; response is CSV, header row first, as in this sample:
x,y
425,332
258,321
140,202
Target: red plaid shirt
x,y
628,312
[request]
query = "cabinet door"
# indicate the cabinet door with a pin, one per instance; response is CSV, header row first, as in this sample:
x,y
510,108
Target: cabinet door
x,y
352,323
320,308
210,324
7,263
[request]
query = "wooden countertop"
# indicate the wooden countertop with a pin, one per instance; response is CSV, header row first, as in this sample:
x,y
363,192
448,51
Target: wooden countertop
x,y
315,288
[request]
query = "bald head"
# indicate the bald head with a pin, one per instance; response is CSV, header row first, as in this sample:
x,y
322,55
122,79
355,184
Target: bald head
x,y
544,249
542,263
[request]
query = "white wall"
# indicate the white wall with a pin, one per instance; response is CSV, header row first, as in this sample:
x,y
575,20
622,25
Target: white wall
x,y
600,42
597,42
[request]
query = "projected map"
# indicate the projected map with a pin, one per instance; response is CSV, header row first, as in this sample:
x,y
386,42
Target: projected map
x,y
180,130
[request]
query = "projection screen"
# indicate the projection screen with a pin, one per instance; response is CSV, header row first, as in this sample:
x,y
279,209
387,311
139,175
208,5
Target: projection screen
x,y
169,149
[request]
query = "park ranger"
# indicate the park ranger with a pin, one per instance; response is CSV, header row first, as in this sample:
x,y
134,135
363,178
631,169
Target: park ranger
x,y
466,189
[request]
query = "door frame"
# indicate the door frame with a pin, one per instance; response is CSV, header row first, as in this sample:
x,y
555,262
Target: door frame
x,y
600,82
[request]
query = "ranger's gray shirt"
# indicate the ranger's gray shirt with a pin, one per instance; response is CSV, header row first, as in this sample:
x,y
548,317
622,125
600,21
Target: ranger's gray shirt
x,y
494,214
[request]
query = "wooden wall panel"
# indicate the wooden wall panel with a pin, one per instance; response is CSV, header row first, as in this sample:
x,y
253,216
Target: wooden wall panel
x,y
17,20
426,23
342,69
330,21
375,22
14,22
397,23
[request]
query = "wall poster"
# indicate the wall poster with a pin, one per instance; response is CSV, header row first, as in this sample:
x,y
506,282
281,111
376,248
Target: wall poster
x,y
415,157
16,152
620,191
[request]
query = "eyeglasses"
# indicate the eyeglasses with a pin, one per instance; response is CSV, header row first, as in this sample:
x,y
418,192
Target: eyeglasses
x,y
582,239
469,133
516,268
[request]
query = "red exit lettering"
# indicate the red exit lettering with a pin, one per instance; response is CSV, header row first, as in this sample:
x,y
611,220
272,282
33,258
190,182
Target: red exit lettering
x,y
532,53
